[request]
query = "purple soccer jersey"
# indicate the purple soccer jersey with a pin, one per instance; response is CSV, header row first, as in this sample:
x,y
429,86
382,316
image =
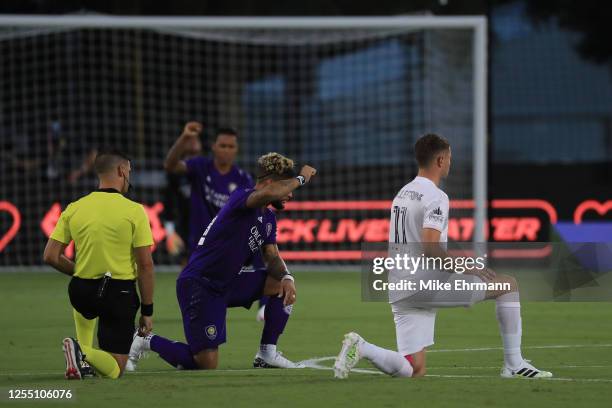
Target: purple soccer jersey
x,y
232,239
210,190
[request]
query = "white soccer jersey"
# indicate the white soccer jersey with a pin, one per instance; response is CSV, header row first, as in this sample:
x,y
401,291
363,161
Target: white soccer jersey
x,y
419,204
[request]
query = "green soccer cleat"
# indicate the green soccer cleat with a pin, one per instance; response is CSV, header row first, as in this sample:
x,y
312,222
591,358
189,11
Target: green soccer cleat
x,y
349,355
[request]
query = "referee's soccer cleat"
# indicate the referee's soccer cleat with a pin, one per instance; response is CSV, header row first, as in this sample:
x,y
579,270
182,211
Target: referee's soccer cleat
x,y
74,359
525,370
349,355
138,350
274,360
87,370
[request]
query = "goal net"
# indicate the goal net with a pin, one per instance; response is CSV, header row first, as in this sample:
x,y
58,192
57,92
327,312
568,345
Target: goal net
x,y
348,96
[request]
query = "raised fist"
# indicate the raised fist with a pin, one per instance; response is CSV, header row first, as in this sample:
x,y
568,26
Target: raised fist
x,y
192,129
308,172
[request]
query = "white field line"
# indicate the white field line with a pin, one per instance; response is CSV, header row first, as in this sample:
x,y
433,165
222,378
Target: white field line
x,y
604,380
314,364
556,346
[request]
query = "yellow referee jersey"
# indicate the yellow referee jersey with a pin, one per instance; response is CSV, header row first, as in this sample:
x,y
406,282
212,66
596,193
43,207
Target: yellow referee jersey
x,y
105,227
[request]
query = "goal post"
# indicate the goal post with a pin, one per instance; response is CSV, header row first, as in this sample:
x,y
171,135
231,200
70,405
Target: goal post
x,y
349,95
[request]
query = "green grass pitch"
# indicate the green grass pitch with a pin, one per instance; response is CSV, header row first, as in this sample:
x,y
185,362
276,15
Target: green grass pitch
x,y
574,340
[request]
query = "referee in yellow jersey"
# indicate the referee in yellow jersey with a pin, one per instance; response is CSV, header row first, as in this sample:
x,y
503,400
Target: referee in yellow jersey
x,y
113,241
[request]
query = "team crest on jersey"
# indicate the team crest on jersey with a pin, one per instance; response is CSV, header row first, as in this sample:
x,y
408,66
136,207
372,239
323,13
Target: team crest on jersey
x,y
211,331
231,187
268,229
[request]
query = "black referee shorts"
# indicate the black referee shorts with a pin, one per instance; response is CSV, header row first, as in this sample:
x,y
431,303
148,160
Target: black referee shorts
x,y
116,310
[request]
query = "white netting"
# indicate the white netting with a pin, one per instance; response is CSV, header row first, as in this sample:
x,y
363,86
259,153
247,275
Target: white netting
x,y
349,101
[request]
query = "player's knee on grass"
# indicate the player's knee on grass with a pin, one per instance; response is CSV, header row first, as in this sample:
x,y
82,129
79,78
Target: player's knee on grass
x,y
417,360
207,359
121,362
420,372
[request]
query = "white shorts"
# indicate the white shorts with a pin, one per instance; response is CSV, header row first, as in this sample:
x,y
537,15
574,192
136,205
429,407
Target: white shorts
x,y
414,328
415,316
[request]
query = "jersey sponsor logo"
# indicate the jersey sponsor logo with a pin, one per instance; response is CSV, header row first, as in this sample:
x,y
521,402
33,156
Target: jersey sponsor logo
x,y
255,239
211,331
215,198
437,211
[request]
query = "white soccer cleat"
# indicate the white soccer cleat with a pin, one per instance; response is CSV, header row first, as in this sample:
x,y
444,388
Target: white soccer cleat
x,y
138,350
526,370
74,359
349,355
261,314
274,360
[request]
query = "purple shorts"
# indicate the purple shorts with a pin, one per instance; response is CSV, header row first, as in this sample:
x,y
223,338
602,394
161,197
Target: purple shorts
x,y
247,288
204,309
203,313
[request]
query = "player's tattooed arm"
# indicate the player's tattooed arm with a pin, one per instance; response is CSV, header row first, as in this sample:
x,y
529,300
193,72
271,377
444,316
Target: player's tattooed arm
x,y
54,256
174,162
274,263
279,189
272,192
278,270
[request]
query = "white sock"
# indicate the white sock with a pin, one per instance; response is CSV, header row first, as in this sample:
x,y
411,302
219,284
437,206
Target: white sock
x,y
508,312
268,349
147,341
387,361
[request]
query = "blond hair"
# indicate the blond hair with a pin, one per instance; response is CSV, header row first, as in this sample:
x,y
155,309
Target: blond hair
x,y
274,165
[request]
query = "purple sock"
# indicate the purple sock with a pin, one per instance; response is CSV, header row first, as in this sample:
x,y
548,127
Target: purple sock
x,y
276,316
175,353
263,301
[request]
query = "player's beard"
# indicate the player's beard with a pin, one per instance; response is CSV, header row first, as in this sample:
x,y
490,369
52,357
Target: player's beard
x,y
278,204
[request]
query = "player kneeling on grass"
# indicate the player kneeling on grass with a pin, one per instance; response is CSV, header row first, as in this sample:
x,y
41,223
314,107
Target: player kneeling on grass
x,y
113,242
423,207
243,227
